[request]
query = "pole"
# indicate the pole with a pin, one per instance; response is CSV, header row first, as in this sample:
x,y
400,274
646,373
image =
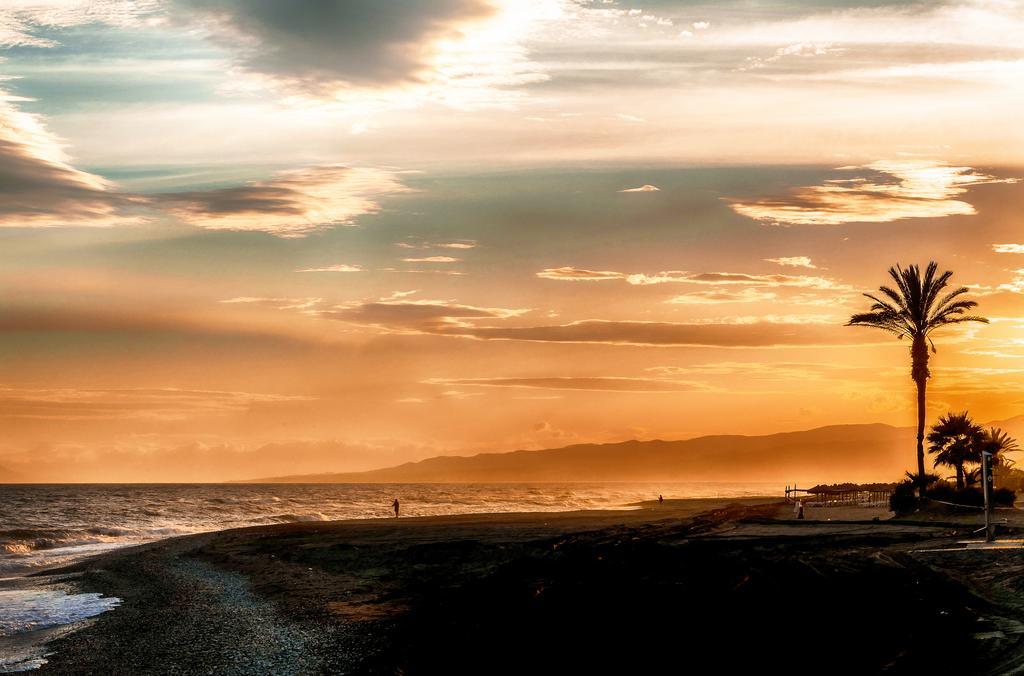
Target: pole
x,y
986,480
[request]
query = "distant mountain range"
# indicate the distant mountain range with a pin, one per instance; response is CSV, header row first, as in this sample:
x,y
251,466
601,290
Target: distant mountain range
x,y
869,452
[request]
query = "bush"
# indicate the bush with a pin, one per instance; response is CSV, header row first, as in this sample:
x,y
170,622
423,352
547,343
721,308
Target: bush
x,y
972,497
1004,497
1009,477
903,500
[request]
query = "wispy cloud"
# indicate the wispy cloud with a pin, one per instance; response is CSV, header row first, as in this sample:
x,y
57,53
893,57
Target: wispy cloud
x,y
898,189
340,267
432,259
747,295
72,403
795,50
756,334
793,262
292,204
40,188
571,274
456,244
403,315
1008,248
647,187
595,383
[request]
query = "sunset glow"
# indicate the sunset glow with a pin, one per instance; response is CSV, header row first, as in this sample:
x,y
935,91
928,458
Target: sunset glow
x,y
237,241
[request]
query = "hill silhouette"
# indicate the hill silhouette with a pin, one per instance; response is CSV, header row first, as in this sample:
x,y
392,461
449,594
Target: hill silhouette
x,y
866,452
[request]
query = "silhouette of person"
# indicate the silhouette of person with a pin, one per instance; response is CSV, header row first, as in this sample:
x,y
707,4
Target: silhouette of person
x,y
395,506
661,499
798,509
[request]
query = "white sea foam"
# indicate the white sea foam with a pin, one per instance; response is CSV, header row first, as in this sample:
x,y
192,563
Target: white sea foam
x,y
23,610
28,617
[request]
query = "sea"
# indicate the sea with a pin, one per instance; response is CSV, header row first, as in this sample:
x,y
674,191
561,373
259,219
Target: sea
x,y
48,526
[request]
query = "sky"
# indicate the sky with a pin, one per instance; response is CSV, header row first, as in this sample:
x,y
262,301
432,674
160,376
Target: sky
x,y
254,238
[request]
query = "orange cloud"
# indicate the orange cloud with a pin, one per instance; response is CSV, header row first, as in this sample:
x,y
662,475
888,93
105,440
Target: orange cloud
x,y
340,267
914,189
431,259
736,335
571,274
598,384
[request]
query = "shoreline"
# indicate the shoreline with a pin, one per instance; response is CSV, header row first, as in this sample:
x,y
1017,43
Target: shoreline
x,y
452,593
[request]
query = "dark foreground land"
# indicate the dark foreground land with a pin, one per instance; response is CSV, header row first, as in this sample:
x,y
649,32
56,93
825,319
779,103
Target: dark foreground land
x,y
691,585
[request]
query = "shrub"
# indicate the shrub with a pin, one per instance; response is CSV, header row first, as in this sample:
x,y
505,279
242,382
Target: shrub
x,y
1004,497
972,497
903,500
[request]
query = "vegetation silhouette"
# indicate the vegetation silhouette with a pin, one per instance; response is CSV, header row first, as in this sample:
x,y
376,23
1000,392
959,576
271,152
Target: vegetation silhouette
x,y
956,440
916,307
999,443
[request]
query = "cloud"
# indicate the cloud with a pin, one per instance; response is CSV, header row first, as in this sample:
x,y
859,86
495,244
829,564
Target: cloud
x,y
757,334
647,187
38,185
292,204
720,278
748,295
599,384
452,273
793,261
1008,248
398,314
301,304
571,274
798,49
898,189
22,21
579,274
71,403
372,56
340,267
431,259
456,244
785,371
316,46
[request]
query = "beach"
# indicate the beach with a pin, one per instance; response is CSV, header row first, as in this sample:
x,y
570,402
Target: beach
x,y
737,582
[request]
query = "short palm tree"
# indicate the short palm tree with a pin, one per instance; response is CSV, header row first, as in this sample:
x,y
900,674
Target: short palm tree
x,y
917,306
956,440
999,443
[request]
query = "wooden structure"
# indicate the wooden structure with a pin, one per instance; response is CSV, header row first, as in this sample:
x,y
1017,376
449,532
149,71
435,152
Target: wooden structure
x,y
842,495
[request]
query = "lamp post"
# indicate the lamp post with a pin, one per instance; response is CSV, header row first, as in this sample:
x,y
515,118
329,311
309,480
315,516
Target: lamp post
x,y
986,483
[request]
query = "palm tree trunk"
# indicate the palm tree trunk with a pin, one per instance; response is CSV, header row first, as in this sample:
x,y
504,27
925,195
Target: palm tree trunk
x,y
919,372
960,476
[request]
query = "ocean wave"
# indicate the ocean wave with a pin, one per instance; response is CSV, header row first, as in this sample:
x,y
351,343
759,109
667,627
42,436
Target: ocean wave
x,y
24,540
292,518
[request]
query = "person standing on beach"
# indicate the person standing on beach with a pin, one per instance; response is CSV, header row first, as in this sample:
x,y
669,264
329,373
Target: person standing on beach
x,y
798,509
661,499
394,505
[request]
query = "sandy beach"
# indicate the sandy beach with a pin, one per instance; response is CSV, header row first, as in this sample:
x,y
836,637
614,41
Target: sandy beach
x,y
740,583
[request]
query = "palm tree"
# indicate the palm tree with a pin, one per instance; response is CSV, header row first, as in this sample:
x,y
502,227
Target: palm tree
x,y
914,309
956,440
999,443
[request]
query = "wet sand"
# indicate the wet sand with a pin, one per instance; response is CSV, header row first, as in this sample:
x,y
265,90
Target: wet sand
x,y
662,587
